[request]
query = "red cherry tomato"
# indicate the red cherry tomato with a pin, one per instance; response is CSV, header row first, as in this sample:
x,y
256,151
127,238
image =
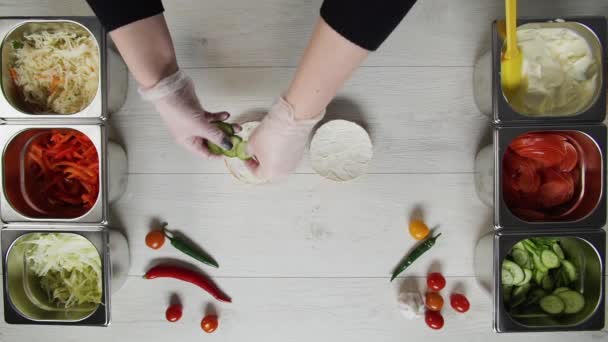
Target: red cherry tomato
x,y
459,302
174,313
209,323
155,239
433,319
435,281
434,301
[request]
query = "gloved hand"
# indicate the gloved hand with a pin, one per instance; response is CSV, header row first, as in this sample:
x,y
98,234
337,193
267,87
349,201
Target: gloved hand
x,y
278,143
190,125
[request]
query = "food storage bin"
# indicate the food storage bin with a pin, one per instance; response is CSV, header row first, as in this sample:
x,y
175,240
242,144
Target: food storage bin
x,y
592,29
23,197
587,208
112,81
25,300
586,249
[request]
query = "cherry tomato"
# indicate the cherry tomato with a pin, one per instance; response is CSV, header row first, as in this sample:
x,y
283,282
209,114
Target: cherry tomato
x,y
418,230
459,302
174,313
435,281
433,319
155,239
209,323
434,301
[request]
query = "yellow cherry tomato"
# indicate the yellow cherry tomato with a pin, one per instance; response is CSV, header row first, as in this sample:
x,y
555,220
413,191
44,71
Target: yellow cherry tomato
x,y
418,230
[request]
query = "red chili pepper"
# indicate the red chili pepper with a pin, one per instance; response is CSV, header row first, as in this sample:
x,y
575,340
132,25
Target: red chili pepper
x,y
190,276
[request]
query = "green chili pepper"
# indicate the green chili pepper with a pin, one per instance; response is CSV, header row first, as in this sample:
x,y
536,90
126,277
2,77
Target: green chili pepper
x,y
188,249
416,253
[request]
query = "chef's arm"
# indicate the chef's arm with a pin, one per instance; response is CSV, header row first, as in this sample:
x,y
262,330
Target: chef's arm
x,y
140,33
343,37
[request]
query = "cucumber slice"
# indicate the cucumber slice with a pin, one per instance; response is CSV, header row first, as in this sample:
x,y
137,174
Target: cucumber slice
x,y
538,264
552,305
516,271
213,148
560,290
225,127
558,251
519,245
527,277
574,301
549,259
241,151
521,291
548,283
535,296
235,140
538,277
570,270
521,257
506,277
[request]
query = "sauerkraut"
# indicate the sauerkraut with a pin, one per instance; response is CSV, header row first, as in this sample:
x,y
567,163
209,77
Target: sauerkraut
x,y
55,71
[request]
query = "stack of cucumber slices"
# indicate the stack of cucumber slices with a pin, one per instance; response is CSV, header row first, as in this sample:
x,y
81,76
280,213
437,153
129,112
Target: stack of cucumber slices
x,y
537,274
239,147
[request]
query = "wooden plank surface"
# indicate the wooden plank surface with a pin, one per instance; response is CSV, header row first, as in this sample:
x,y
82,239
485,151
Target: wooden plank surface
x,y
307,259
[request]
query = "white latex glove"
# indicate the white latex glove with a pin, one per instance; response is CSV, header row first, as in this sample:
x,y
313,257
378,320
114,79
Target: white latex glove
x,y
278,143
190,125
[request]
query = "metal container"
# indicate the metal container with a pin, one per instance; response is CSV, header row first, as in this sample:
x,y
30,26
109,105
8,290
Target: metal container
x,y
15,203
590,208
112,89
587,249
26,303
593,30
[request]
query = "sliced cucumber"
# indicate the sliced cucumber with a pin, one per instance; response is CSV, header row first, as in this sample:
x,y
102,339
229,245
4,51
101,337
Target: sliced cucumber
x,y
558,251
521,257
235,140
574,301
506,277
560,290
516,271
535,296
519,245
213,148
538,264
570,270
549,259
225,127
241,151
538,277
552,304
548,283
521,291
527,277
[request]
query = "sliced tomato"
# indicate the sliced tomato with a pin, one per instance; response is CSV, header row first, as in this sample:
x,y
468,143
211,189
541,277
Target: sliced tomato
x,y
546,148
521,174
570,159
557,188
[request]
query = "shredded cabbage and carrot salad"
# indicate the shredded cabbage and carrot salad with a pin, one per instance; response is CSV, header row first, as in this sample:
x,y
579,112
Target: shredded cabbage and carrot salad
x,y
55,71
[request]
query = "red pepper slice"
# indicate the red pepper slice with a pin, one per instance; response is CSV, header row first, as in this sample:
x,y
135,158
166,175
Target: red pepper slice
x,y
190,276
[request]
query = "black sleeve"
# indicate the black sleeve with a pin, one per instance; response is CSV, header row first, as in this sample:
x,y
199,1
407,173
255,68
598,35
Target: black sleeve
x,y
366,23
116,13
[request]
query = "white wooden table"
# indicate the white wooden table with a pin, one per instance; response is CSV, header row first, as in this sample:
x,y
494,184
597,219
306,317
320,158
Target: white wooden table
x,y
308,259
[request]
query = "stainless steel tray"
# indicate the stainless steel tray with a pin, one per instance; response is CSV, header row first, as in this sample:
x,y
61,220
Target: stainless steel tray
x,y
591,211
112,90
21,307
593,29
591,245
15,209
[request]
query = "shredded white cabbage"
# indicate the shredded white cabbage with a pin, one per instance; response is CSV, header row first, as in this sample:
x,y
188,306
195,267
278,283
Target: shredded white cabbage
x,y
68,265
57,71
